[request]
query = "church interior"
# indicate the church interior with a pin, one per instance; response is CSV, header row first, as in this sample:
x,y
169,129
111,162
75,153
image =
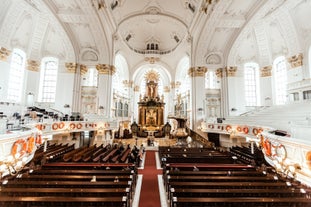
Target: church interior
x,y
155,103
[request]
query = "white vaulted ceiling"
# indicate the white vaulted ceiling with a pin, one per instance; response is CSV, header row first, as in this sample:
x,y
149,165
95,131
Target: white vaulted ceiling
x,y
228,32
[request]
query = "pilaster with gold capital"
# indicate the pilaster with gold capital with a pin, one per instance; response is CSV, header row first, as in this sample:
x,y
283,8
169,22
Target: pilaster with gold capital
x,y
296,60
71,67
83,69
266,71
231,71
4,54
105,69
33,65
198,71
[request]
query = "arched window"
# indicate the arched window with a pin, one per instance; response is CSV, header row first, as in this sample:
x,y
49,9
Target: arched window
x,y
280,80
210,80
251,86
90,78
48,79
182,75
120,75
16,78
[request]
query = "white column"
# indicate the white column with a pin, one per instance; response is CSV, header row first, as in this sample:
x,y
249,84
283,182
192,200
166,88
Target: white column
x,y
104,91
197,94
266,86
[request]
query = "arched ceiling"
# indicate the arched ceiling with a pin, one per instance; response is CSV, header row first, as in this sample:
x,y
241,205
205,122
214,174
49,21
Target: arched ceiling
x,y
92,31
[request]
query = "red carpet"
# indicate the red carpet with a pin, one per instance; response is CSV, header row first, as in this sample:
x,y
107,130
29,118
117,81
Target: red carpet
x,y
149,195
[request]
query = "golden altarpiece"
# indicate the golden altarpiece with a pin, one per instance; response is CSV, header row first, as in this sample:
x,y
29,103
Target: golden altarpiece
x,y
151,106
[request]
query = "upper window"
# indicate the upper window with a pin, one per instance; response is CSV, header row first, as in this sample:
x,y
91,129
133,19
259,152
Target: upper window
x,y
251,84
182,75
16,78
48,79
90,78
280,80
210,80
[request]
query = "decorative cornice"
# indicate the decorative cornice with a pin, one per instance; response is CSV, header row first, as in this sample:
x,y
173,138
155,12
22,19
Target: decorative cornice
x,y
296,60
167,89
4,54
71,67
105,69
83,69
219,73
198,71
231,71
33,65
266,71
136,88
152,60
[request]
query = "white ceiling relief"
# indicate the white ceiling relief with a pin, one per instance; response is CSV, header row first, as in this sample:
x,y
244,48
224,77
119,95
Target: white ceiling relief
x,y
225,33
278,44
24,27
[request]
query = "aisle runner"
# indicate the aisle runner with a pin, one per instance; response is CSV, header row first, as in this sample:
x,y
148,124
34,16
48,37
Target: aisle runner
x,y
149,195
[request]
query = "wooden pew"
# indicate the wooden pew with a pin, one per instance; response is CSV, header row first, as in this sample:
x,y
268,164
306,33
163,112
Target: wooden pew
x,y
62,201
240,201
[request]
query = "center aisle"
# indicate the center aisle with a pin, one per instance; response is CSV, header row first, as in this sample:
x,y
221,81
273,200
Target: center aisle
x,y
149,195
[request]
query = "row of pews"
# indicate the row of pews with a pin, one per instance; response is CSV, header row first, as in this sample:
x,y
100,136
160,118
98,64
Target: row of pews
x,y
202,184
60,183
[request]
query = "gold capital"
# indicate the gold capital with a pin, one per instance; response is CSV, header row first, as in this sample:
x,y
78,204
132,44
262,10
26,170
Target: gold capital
x,y
136,88
296,60
106,69
33,65
231,71
83,69
198,71
71,67
4,54
167,89
266,71
219,73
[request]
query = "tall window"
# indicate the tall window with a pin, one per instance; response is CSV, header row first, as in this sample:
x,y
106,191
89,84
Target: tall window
x,y
210,79
16,78
280,80
251,84
48,79
90,78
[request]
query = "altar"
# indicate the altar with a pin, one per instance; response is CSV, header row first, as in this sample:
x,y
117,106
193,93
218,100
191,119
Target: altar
x,y
151,108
